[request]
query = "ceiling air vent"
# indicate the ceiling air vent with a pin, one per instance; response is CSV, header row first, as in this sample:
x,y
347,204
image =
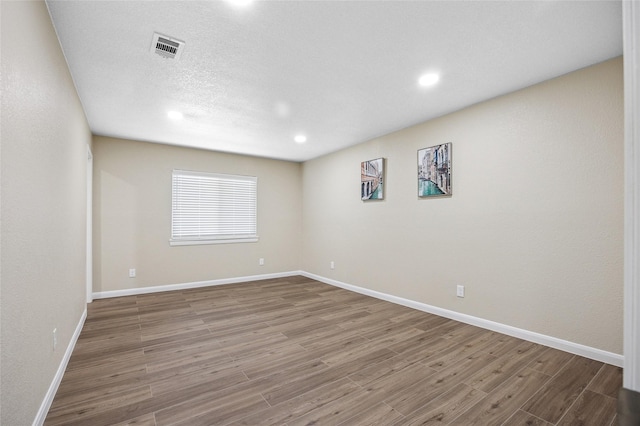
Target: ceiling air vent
x,y
167,47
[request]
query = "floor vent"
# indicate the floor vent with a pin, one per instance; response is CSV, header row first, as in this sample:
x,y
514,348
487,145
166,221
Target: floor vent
x,y
167,47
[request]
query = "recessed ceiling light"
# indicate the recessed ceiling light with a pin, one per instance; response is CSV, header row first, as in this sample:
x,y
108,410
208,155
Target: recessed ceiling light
x,y
428,79
300,138
175,115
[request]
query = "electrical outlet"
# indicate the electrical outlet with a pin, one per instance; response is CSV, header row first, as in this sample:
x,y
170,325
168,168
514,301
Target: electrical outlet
x,y
460,291
55,338
261,262
132,273
332,265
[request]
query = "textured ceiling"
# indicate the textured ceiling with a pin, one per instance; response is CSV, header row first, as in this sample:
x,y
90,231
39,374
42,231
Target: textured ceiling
x,y
340,72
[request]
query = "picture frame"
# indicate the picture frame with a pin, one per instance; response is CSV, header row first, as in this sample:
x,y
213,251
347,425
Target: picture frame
x,y
434,171
372,179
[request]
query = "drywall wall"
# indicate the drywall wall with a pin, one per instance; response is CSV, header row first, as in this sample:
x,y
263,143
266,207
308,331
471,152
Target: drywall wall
x,y
132,217
44,155
534,228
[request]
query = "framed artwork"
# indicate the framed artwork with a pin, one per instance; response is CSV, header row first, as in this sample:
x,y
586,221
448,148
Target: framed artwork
x,y
434,171
372,179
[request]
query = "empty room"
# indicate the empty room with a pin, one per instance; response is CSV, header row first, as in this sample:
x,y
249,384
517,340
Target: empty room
x,y
320,212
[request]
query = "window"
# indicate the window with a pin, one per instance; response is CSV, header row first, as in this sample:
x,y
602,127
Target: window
x,y
209,208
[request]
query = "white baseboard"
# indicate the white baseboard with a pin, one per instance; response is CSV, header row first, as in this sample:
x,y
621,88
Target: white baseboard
x,y
186,286
53,388
553,342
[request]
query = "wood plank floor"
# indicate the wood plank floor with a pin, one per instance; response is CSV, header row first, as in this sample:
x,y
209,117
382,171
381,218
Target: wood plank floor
x,y
294,351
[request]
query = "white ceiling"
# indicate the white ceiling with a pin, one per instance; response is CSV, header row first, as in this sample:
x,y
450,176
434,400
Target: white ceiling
x,y
340,72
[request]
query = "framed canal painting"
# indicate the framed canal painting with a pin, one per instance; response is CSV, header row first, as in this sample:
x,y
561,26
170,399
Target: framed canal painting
x,y
372,179
434,171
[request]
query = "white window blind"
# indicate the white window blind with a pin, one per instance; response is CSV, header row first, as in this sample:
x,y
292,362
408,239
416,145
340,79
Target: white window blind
x,y
213,208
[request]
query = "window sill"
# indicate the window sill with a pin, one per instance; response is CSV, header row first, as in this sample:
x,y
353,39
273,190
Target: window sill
x,y
206,242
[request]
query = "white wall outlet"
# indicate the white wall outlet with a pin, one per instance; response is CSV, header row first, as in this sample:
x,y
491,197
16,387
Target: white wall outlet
x,y
55,338
332,265
460,291
261,262
132,273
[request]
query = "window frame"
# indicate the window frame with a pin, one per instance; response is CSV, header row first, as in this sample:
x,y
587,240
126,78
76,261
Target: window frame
x,y
220,189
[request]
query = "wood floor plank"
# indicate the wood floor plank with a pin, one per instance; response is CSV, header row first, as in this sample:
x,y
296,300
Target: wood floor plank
x,y
299,406
124,341
400,380
556,397
247,341
290,316
344,316
229,327
424,339
105,314
282,385
289,351
199,342
316,307
109,375
102,393
175,360
504,345
422,351
391,333
107,333
92,324
608,381
361,351
379,415
172,321
64,412
152,312
210,411
171,379
388,367
453,354
362,409
337,342
410,316
522,418
144,420
159,333
275,361
447,407
503,402
100,360
364,323
420,394
219,376
305,328
551,361
430,322
178,338
591,409
196,393
500,370
304,383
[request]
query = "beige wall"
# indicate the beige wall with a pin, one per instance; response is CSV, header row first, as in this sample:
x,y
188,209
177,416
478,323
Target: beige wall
x,y
44,154
132,217
534,227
